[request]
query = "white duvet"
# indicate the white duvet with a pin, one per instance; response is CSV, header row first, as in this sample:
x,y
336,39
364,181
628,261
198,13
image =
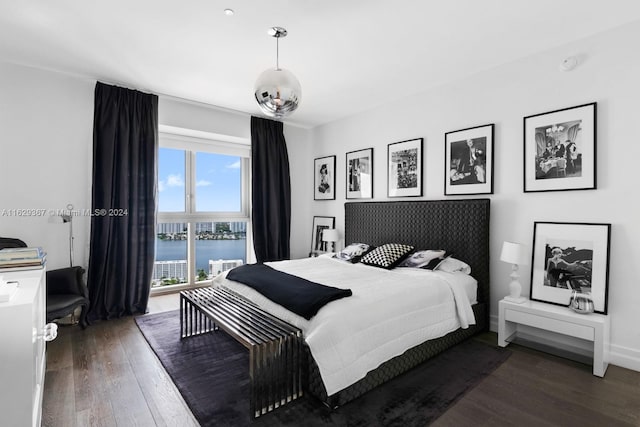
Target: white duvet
x,y
389,312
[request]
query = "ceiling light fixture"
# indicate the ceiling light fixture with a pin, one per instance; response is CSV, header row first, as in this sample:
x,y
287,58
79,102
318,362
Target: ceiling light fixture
x,y
228,12
278,91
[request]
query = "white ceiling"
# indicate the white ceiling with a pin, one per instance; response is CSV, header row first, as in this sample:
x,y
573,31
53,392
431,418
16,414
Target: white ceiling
x,y
349,55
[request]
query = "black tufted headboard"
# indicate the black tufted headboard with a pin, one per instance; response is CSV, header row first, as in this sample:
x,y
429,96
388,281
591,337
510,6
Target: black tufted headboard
x,y
460,226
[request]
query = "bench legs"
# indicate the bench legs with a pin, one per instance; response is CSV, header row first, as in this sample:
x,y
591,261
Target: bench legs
x,y
194,321
275,365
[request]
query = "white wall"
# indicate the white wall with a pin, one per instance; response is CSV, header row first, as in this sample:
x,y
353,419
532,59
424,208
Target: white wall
x,y
299,146
608,74
46,120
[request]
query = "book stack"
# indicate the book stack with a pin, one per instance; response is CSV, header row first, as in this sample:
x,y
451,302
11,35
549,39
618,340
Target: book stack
x,y
15,259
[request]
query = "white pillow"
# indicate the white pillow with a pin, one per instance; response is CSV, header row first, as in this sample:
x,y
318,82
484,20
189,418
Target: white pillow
x,y
451,265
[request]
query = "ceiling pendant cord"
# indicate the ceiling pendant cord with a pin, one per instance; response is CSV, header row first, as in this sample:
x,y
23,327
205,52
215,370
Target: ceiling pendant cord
x,y
278,53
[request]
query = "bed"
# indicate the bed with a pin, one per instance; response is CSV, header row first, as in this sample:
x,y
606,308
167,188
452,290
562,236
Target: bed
x,y
460,226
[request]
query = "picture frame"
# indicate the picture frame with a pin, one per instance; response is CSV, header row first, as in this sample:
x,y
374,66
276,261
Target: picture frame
x,y
359,173
469,161
560,149
570,256
324,181
320,223
404,170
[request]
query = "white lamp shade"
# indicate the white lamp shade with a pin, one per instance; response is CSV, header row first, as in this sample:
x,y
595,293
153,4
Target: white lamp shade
x,y
330,235
513,253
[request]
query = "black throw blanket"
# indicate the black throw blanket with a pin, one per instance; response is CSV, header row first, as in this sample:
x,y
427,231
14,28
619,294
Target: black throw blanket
x,y
294,293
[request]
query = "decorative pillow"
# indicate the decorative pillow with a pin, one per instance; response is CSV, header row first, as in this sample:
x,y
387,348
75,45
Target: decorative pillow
x,y
452,265
435,262
353,252
387,256
421,258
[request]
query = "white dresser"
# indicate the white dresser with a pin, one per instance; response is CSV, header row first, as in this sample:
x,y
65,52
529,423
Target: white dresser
x,y
22,349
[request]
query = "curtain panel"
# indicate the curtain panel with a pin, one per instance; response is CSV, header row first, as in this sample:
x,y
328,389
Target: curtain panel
x,y
270,191
125,146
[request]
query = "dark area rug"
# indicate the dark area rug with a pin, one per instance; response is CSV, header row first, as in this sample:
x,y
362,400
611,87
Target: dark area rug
x,y
211,373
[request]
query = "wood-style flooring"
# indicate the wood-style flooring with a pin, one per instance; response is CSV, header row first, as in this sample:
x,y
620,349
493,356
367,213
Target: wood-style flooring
x,y
107,375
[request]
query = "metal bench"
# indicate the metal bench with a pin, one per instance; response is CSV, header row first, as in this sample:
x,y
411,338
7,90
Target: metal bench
x,y
275,347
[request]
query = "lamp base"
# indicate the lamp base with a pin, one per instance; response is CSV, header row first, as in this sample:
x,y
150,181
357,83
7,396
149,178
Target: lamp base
x,y
517,300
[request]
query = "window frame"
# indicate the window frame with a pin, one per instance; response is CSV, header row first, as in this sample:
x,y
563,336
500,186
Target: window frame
x,y
183,139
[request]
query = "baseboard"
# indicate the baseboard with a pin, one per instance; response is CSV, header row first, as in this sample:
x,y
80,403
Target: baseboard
x,y
624,357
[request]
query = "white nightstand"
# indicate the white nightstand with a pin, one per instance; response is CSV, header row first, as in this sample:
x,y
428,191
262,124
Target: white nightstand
x,y
562,320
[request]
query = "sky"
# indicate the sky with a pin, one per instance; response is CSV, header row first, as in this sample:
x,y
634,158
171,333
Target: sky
x,y
218,182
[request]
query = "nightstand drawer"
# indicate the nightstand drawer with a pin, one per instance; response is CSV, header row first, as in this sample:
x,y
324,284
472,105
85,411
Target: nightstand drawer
x,y
550,324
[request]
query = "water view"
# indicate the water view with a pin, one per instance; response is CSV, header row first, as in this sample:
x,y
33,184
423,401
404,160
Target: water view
x,y
176,250
169,250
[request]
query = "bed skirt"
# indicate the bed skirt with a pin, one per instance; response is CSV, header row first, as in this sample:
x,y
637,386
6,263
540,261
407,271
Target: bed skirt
x,y
393,367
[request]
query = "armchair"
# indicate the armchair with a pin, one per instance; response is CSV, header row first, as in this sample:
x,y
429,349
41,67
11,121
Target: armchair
x,y
67,291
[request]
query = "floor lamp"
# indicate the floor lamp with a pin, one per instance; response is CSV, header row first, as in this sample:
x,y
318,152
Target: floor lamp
x,y
68,217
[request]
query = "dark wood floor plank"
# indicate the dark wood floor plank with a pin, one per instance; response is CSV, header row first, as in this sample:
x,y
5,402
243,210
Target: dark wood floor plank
x,y
122,388
60,404
59,352
162,396
92,406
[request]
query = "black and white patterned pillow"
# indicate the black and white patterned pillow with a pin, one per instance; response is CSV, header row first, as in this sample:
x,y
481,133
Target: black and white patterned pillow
x,y
419,259
434,263
353,252
387,255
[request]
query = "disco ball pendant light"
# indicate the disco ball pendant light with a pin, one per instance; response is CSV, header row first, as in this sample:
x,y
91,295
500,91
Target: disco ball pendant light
x,y
277,91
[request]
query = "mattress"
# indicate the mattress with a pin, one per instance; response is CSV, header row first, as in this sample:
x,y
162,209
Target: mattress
x,y
389,312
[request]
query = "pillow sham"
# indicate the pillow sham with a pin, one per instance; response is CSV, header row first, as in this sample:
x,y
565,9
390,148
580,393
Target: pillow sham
x,y
387,256
419,259
453,265
433,264
353,252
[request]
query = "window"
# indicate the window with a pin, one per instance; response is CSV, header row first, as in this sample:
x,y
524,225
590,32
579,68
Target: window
x,y
203,214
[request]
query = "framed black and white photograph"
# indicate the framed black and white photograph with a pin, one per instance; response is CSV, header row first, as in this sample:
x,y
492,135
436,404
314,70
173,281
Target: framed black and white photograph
x,y
320,223
560,150
469,161
404,176
570,257
360,174
324,178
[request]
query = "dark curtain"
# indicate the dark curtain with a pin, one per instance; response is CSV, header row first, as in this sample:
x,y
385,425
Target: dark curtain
x,y
271,190
121,257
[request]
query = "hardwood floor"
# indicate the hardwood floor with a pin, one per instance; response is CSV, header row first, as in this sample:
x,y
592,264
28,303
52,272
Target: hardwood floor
x,y
107,375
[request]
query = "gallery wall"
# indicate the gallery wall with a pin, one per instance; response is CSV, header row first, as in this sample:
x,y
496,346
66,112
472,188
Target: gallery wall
x,y
608,66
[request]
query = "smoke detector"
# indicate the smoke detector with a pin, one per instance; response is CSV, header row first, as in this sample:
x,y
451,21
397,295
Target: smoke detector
x,y
568,63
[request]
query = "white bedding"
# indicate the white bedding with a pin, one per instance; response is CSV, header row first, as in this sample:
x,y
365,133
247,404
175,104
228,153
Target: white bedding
x,y
389,312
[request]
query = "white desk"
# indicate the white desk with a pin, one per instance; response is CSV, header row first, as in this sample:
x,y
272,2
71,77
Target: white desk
x,y
562,320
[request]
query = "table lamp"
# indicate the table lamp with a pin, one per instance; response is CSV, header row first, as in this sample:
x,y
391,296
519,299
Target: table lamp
x,y
331,235
514,253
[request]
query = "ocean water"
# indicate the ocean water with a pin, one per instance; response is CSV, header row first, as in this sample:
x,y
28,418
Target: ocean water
x,y
170,250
